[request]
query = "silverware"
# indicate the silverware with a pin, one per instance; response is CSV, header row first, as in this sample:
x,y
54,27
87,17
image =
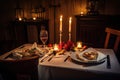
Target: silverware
x,y
66,58
45,58
21,47
51,57
102,59
108,62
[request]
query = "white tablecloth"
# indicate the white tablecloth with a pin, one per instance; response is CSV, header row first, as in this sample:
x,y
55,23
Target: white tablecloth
x,y
58,69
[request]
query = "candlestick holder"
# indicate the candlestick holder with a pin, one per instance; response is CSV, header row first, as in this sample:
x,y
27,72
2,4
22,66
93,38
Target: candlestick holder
x,y
69,36
60,36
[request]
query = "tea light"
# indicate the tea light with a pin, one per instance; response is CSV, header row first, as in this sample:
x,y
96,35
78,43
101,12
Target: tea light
x,y
20,19
56,47
34,18
79,45
81,13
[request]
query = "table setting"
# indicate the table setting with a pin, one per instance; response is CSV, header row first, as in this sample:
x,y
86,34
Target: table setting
x,y
78,57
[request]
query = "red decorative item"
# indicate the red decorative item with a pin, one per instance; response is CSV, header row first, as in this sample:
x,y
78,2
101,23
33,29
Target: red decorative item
x,y
84,47
61,45
66,47
69,45
50,45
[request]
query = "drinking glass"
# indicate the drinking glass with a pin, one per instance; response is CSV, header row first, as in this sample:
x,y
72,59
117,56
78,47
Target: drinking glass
x,y
44,36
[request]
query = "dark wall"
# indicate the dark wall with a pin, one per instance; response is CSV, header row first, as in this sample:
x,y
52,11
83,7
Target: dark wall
x,y
7,14
112,7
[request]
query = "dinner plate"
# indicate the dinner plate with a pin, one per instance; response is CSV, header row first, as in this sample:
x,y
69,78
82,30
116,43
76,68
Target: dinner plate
x,y
101,57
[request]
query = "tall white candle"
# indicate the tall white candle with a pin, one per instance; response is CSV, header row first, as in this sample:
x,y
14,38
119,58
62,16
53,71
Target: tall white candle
x,y
61,23
70,21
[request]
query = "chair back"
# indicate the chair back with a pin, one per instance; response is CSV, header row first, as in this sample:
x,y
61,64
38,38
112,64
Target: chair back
x,y
23,69
114,32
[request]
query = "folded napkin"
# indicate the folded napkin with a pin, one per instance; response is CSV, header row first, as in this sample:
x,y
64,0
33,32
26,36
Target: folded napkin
x,y
17,55
43,51
34,45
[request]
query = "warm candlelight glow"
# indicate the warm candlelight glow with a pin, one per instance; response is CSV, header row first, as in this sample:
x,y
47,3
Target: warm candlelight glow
x,y
79,44
20,19
56,47
34,18
81,13
61,23
70,21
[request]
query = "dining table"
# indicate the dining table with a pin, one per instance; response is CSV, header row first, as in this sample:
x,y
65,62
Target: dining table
x,y
64,67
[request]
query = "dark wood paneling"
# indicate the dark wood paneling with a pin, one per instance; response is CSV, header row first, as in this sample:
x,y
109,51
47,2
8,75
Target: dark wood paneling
x,y
20,32
28,31
91,29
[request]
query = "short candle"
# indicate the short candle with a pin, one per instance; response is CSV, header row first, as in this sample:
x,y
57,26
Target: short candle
x,y
56,47
79,44
20,19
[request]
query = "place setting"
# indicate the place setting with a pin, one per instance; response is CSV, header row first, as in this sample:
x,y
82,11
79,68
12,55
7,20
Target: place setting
x,y
27,51
82,54
88,56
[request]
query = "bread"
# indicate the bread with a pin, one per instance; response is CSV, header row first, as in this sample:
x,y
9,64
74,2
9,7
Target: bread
x,y
80,57
90,55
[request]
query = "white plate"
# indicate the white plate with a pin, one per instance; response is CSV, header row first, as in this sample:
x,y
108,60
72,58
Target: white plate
x,y
101,57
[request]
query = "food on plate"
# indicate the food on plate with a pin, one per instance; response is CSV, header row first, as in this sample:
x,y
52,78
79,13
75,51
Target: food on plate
x,y
29,52
86,56
17,55
26,54
90,55
37,51
80,57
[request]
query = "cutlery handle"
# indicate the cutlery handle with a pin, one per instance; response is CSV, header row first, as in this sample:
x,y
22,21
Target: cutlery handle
x,y
108,62
44,59
50,58
66,58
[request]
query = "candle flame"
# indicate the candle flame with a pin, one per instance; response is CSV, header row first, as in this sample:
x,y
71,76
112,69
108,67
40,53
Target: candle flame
x,y
56,47
34,18
20,19
70,19
79,44
81,13
61,18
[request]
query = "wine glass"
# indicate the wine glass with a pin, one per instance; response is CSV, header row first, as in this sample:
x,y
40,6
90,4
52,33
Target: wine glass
x,y
44,36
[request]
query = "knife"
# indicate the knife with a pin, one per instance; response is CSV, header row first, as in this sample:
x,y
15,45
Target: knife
x,y
45,58
51,57
66,58
108,62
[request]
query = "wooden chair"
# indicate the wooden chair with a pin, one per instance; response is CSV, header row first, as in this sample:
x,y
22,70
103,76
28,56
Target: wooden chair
x,y
114,32
24,69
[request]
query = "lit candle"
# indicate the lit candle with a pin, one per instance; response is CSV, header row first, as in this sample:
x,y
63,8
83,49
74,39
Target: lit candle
x,y
34,18
81,13
56,47
61,23
70,21
79,44
20,19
